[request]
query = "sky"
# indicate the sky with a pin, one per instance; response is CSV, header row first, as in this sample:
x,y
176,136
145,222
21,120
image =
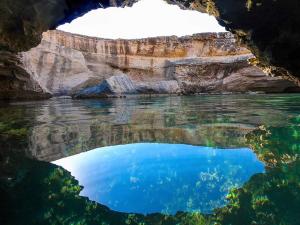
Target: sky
x,y
146,18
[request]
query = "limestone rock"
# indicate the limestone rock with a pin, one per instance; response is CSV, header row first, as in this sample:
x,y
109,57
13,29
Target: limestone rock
x,y
16,83
225,74
269,28
69,64
115,85
160,87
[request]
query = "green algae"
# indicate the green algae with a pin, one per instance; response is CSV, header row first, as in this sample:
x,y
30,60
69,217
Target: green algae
x,y
34,192
263,200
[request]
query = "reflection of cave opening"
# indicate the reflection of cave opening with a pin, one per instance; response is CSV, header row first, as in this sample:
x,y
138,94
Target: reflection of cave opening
x,y
151,178
146,18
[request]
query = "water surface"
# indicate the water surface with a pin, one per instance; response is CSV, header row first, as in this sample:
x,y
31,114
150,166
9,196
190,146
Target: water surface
x,y
252,143
50,130
152,178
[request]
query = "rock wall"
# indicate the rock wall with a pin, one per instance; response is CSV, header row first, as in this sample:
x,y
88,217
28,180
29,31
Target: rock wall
x,y
15,81
66,64
269,28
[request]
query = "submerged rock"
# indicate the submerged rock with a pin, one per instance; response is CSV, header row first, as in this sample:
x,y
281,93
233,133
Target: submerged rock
x,y
113,86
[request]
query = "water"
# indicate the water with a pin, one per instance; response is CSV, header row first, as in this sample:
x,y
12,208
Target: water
x,y
50,130
150,178
245,148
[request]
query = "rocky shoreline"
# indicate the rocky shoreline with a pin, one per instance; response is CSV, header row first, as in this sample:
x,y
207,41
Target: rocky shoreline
x,y
89,67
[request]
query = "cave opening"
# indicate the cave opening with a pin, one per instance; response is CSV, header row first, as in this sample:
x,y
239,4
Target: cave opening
x,y
145,18
153,128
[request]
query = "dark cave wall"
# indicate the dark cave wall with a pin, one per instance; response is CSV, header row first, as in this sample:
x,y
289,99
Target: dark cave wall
x,y
269,28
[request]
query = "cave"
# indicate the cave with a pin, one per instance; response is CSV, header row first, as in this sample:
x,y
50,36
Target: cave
x,y
269,29
213,140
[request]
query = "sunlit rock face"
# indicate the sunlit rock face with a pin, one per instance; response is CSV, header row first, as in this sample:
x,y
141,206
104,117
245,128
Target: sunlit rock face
x,y
21,26
270,28
15,81
69,64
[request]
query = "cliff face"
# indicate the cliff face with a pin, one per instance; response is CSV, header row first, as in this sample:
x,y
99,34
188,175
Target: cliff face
x,y
269,28
15,81
66,63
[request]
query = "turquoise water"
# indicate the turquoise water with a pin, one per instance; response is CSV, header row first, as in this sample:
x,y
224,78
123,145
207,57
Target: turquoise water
x,y
167,178
211,159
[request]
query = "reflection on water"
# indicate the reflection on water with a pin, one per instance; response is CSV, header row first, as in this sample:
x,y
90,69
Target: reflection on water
x,y
38,192
149,178
50,130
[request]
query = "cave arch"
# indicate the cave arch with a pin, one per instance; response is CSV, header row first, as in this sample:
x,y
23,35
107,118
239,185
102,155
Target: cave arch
x,y
269,28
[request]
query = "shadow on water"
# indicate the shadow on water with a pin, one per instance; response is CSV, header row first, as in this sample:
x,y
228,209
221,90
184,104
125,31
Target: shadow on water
x,y
36,192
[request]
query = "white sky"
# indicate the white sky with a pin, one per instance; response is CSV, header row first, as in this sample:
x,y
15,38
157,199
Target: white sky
x,y
147,18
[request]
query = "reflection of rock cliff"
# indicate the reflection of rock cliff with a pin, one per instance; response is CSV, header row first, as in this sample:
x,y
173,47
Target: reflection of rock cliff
x,y
59,132
88,128
67,63
53,129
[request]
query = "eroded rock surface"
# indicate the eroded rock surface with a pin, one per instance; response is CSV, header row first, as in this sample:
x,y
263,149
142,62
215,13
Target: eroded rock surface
x,y
66,64
15,81
269,28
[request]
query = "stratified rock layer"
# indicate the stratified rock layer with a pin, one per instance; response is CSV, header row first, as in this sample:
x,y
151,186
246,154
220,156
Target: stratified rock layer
x,y
15,81
269,28
65,64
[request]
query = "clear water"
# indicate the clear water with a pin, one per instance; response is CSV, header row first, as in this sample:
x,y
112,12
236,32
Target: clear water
x,y
252,141
151,178
53,129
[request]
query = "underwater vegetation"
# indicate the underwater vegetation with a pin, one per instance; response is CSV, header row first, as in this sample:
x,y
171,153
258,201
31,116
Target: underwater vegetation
x,y
56,201
36,192
266,197
262,200
148,178
276,146
13,128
